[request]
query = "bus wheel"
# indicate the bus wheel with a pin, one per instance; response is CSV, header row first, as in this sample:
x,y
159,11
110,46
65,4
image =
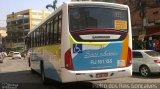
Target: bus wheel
x,y
44,79
29,62
144,71
33,71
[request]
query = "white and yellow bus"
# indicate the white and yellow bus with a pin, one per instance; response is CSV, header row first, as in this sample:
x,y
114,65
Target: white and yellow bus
x,y
82,41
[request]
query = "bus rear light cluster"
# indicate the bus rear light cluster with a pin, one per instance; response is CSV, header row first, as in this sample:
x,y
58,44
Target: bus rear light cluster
x,y
68,60
129,58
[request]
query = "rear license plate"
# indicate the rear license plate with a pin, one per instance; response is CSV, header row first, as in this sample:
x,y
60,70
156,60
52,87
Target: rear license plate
x,y
100,75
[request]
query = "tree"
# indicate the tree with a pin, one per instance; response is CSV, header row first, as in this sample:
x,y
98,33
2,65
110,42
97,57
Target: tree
x,y
53,6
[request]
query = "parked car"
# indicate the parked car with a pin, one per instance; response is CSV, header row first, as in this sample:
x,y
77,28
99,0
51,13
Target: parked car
x,y
1,58
10,54
146,62
16,55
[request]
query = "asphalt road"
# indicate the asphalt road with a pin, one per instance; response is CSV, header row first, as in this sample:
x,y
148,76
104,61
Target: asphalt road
x,y
15,74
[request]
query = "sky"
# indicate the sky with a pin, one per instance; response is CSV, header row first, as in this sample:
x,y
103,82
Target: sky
x,y
9,6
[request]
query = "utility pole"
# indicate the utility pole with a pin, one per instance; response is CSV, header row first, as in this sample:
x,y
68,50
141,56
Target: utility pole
x,y
142,5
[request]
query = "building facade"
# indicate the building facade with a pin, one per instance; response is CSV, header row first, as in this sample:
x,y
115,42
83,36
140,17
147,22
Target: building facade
x,y
20,23
3,34
145,30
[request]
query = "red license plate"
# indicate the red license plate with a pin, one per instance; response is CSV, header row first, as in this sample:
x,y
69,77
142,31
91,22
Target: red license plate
x,y
100,75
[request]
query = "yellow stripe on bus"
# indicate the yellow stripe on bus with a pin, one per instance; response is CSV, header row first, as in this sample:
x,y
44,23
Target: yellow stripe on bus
x,y
73,41
124,49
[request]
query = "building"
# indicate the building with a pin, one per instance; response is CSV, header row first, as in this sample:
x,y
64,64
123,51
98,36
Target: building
x,y
3,34
20,23
151,24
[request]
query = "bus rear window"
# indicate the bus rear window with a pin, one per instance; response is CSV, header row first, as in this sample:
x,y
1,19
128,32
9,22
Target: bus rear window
x,y
82,18
96,23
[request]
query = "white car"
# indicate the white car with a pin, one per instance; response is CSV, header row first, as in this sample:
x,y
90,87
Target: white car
x,y
16,55
146,62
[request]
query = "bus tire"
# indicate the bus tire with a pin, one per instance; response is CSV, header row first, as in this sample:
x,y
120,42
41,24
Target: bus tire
x,y
29,62
44,79
33,71
144,71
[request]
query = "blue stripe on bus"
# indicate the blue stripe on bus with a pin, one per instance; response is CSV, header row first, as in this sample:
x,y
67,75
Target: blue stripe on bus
x,y
103,58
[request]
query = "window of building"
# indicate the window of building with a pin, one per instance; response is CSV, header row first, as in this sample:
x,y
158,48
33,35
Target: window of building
x,y
26,20
20,21
26,26
8,23
13,22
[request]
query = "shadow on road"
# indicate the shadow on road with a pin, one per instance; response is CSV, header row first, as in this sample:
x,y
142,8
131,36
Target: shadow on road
x,y
79,85
19,77
27,80
153,76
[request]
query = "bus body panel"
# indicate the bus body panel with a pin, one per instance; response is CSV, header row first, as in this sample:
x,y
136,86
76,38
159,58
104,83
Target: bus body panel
x,y
35,61
65,41
96,57
51,61
85,64
88,75
82,68
50,55
101,55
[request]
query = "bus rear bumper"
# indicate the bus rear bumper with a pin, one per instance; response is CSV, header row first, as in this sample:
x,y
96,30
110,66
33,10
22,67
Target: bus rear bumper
x,y
88,75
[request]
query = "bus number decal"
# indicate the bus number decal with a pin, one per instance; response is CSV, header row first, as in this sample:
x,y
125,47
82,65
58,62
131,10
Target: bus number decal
x,y
99,61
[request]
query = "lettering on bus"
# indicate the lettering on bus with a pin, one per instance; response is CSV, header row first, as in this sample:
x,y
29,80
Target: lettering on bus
x,y
99,37
105,61
89,54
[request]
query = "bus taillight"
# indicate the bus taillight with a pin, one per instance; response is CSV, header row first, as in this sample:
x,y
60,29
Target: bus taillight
x,y
68,60
129,58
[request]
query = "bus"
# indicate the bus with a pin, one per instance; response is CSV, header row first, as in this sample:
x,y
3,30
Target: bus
x,y
82,41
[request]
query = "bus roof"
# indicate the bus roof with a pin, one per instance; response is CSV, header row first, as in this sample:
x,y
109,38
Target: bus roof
x,y
116,5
